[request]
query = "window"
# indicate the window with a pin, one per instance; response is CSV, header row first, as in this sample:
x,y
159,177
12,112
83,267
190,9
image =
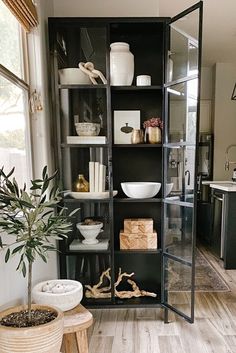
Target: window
x,y
14,96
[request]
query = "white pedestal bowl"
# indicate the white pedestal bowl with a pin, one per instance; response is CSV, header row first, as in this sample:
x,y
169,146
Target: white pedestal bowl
x,y
90,232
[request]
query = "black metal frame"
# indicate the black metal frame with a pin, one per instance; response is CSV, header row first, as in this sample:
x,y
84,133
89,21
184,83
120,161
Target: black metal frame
x,y
106,23
198,6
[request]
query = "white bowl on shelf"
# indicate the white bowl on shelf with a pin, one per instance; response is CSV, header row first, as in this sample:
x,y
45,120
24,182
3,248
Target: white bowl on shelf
x,y
73,76
87,129
66,295
89,232
140,190
168,188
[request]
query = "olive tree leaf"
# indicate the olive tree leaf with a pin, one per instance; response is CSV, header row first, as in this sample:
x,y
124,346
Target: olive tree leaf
x,y
8,253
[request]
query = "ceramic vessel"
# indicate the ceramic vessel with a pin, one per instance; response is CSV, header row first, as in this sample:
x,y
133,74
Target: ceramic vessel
x,y
73,76
66,299
89,232
121,64
152,135
137,136
87,129
45,338
81,184
143,80
140,190
168,188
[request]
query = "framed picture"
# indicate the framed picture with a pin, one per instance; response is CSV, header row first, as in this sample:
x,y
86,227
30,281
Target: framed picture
x,y
124,122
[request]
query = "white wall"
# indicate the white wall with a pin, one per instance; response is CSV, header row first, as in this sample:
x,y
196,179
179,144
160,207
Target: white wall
x,y
106,8
13,288
206,83
224,119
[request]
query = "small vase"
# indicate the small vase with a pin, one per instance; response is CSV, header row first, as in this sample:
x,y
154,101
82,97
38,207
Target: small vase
x,y
121,64
137,136
81,184
152,135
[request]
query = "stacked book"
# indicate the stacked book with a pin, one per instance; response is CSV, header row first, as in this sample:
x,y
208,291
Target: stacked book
x,y
97,177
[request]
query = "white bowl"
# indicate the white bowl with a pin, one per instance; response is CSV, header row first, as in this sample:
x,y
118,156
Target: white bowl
x,y
140,190
168,188
89,232
63,300
87,129
73,76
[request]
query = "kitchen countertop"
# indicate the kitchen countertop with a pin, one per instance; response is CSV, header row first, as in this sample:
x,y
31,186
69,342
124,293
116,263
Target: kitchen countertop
x,y
225,185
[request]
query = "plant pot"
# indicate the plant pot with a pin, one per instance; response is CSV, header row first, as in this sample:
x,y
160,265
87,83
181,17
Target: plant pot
x,y
46,338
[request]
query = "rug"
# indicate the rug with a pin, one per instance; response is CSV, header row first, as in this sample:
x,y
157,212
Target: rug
x,y
207,279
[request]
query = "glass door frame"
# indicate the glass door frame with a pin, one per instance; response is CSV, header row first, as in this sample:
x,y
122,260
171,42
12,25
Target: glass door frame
x,y
166,305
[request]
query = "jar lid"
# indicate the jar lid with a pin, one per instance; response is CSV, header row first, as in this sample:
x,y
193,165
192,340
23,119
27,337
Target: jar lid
x,y
119,43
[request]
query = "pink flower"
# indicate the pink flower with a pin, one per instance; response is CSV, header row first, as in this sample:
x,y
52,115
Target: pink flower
x,y
153,122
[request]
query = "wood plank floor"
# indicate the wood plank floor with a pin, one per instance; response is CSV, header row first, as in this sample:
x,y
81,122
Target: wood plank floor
x,y
143,330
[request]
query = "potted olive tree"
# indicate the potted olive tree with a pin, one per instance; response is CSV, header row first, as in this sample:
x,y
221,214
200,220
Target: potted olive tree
x,y
30,223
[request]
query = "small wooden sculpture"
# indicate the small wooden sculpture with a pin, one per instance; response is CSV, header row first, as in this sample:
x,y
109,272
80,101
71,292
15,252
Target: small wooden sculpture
x,y
89,69
97,291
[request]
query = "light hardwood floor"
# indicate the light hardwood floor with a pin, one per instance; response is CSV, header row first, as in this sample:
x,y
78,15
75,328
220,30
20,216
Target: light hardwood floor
x,y
143,330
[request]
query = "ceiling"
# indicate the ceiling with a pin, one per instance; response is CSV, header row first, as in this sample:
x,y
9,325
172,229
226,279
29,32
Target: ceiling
x,y
219,27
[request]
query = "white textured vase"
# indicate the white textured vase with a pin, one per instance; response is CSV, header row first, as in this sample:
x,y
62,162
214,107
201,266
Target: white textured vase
x,y
121,64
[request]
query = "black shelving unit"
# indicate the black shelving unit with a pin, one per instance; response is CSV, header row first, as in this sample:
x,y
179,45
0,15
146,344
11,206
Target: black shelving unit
x,y
150,39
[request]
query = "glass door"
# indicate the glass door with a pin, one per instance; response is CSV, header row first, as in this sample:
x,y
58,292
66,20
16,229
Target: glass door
x,y
180,154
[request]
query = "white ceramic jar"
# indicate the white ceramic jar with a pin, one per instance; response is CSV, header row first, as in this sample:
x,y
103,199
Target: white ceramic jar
x,y
121,64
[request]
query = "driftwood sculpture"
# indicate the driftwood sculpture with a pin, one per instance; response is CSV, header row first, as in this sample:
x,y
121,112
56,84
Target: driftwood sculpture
x,y
97,291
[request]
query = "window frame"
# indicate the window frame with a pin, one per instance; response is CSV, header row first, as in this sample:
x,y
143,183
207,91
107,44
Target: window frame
x,y
23,83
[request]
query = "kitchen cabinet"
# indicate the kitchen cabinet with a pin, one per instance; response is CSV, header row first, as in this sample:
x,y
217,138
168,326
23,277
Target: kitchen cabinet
x,y
172,162
222,240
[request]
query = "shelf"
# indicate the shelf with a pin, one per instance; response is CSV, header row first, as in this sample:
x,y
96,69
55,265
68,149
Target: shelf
x,y
141,301
147,251
82,86
140,145
92,252
136,88
64,145
179,144
76,201
154,200
93,303
125,303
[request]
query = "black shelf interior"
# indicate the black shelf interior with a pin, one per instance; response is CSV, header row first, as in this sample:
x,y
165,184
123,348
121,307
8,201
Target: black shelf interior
x,y
128,165
146,44
136,210
149,102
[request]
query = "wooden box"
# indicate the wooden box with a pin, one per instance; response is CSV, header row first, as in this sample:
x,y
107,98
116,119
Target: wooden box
x,y
138,241
138,225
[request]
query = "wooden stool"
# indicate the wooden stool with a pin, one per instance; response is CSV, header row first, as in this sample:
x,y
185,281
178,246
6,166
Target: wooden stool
x,y
76,322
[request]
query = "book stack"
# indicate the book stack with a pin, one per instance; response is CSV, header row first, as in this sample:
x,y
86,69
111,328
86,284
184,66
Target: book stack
x,y
97,177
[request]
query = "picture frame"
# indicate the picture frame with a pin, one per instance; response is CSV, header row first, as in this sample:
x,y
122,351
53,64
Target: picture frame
x,y
124,122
